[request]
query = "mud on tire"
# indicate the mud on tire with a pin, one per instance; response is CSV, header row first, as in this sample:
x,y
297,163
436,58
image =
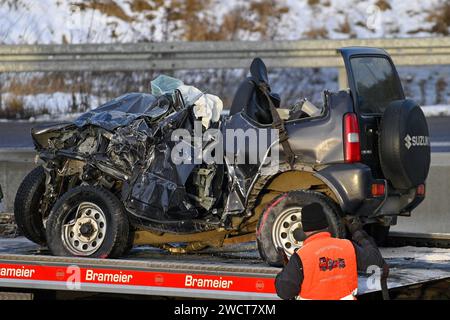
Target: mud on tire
x,y
67,213
279,206
27,213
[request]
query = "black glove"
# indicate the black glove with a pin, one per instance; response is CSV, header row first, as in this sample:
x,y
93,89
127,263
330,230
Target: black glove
x,y
283,256
353,224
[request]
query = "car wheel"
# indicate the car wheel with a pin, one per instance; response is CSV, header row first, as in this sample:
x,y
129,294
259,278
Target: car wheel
x,y
88,221
27,206
130,241
282,217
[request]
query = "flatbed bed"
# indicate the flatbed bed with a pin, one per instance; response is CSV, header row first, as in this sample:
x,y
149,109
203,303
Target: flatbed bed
x,y
232,272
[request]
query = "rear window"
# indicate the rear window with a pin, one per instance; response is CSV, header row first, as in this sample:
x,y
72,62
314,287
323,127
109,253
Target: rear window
x,y
376,83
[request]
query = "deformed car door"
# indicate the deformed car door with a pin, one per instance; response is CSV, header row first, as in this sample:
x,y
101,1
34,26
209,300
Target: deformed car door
x,y
249,146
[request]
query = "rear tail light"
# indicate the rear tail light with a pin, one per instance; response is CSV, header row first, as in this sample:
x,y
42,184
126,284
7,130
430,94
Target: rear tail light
x,y
420,190
378,189
352,146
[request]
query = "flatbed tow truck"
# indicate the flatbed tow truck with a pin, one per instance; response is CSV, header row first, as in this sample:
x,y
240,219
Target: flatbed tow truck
x,y
232,272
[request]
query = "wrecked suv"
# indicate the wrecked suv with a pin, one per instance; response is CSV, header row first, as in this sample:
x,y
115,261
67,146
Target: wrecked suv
x,y
109,180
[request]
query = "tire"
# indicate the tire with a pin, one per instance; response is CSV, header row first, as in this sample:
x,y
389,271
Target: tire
x,y
286,205
99,226
28,217
378,232
404,144
130,242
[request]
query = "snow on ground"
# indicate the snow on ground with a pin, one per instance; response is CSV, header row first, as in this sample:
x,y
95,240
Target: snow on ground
x,y
403,18
49,21
429,111
57,21
56,103
59,109
65,21
436,111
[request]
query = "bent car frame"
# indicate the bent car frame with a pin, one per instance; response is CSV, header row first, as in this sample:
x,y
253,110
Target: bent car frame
x,y
128,172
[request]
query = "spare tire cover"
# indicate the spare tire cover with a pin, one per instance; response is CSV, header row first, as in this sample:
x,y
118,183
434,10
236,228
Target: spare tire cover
x,y
404,144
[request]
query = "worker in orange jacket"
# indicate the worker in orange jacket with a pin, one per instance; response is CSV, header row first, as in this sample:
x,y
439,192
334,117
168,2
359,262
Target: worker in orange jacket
x,y
326,268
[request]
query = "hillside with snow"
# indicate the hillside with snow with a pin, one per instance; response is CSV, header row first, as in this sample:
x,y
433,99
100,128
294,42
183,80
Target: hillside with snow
x,y
118,21
65,21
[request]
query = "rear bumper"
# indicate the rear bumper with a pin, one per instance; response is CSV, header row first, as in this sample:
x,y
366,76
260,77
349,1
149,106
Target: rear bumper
x,y
393,203
352,185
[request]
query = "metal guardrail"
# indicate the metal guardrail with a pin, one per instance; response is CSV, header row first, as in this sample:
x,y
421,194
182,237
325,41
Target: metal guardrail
x,y
214,55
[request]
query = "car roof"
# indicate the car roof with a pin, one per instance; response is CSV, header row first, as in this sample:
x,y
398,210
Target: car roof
x,y
350,51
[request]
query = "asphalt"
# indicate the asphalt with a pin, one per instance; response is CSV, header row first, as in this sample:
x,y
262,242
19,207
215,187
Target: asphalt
x,y
440,133
17,134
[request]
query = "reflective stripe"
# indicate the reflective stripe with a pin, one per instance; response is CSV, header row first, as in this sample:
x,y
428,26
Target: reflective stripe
x,y
351,296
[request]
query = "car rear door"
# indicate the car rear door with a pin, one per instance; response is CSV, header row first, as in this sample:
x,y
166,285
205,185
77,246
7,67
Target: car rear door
x,y
374,82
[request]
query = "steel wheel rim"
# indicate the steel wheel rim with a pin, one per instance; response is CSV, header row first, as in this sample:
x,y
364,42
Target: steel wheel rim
x,y
284,225
84,234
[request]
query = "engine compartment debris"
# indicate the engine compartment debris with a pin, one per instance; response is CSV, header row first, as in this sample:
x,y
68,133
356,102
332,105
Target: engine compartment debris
x,y
125,146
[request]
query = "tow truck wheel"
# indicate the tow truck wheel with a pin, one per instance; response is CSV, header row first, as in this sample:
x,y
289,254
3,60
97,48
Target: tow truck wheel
x,y
27,211
88,221
280,224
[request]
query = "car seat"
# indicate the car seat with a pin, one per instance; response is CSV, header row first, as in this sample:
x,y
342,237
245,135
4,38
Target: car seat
x,y
249,99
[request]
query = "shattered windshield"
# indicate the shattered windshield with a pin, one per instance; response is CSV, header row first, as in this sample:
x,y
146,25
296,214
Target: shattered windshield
x,y
123,110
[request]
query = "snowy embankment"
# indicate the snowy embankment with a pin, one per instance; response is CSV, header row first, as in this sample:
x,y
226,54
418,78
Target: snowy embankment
x,y
436,111
429,111
123,21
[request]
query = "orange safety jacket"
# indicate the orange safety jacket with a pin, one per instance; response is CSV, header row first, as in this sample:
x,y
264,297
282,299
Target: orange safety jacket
x,y
329,268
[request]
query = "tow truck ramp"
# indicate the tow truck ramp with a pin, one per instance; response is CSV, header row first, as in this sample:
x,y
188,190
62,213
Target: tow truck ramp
x,y
234,274
177,279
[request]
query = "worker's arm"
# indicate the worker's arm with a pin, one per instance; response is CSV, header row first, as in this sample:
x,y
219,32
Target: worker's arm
x,y
367,252
288,282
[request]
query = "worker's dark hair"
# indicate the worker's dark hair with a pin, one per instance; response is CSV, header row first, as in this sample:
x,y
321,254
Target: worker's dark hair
x,y
313,217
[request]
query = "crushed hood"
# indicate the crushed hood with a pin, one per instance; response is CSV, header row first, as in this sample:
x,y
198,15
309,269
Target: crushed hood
x,y
123,110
